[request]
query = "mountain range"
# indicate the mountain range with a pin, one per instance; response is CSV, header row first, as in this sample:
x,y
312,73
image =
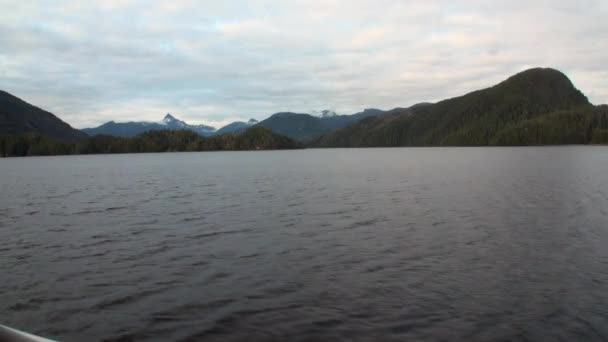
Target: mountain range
x,y
535,107
300,127
132,128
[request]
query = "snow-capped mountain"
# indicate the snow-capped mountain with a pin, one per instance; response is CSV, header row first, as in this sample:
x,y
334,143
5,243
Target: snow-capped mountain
x,y
128,129
170,120
172,123
325,113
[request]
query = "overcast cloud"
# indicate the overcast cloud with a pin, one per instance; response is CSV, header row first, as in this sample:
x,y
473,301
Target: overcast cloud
x,y
216,61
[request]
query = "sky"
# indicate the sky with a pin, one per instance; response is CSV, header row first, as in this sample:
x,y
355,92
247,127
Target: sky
x,y
215,62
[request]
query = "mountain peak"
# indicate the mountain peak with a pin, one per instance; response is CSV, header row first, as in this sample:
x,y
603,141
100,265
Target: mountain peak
x,y
522,110
131,128
536,73
325,113
169,117
541,76
252,121
544,84
328,113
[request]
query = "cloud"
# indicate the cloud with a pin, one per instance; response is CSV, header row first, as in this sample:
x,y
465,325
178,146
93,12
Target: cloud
x,y
213,62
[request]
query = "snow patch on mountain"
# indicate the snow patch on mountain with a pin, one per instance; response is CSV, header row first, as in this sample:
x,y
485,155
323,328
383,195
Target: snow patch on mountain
x,y
324,113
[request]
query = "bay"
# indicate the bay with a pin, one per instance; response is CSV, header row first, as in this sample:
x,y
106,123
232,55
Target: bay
x,y
427,244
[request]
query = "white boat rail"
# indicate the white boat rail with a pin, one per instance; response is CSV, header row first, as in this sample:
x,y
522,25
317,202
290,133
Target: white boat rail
x,y
13,335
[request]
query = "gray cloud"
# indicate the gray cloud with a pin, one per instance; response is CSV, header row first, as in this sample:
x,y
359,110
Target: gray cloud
x,y
211,62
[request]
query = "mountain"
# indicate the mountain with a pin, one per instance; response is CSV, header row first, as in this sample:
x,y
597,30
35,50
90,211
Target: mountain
x,y
306,127
171,122
129,129
300,127
20,117
236,126
537,106
333,122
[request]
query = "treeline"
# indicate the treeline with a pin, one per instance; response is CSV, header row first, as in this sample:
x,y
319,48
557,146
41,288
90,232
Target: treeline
x,y
255,138
583,125
588,125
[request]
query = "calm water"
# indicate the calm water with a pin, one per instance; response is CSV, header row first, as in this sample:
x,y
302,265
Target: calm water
x,y
440,244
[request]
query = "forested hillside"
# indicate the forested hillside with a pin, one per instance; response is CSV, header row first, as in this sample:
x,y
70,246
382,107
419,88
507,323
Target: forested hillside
x,y
20,117
537,106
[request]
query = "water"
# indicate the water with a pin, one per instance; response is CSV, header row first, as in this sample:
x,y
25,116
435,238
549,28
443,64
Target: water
x,y
437,244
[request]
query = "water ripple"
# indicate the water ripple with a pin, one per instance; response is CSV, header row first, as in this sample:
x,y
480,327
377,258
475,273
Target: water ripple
x,y
460,244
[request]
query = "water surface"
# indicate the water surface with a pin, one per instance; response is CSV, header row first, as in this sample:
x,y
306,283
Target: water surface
x,y
427,244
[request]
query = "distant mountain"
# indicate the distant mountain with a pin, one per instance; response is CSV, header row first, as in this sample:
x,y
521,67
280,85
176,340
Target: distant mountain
x,y
300,127
20,117
334,122
324,113
236,126
537,106
171,122
130,129
306,127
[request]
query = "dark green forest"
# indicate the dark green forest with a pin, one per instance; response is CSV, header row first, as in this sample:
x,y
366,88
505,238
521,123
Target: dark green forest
x,y
535,107
255,138
587,125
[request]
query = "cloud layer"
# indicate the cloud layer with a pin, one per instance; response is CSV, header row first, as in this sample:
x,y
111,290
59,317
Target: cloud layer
x,y
217,61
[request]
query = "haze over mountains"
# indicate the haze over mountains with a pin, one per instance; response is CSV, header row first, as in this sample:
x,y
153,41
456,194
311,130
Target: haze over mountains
x,y
534,107
300,127
130,129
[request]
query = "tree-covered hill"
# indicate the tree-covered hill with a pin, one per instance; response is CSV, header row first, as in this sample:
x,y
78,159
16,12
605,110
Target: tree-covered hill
x,y
20,117
255,138
301,127
537,106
